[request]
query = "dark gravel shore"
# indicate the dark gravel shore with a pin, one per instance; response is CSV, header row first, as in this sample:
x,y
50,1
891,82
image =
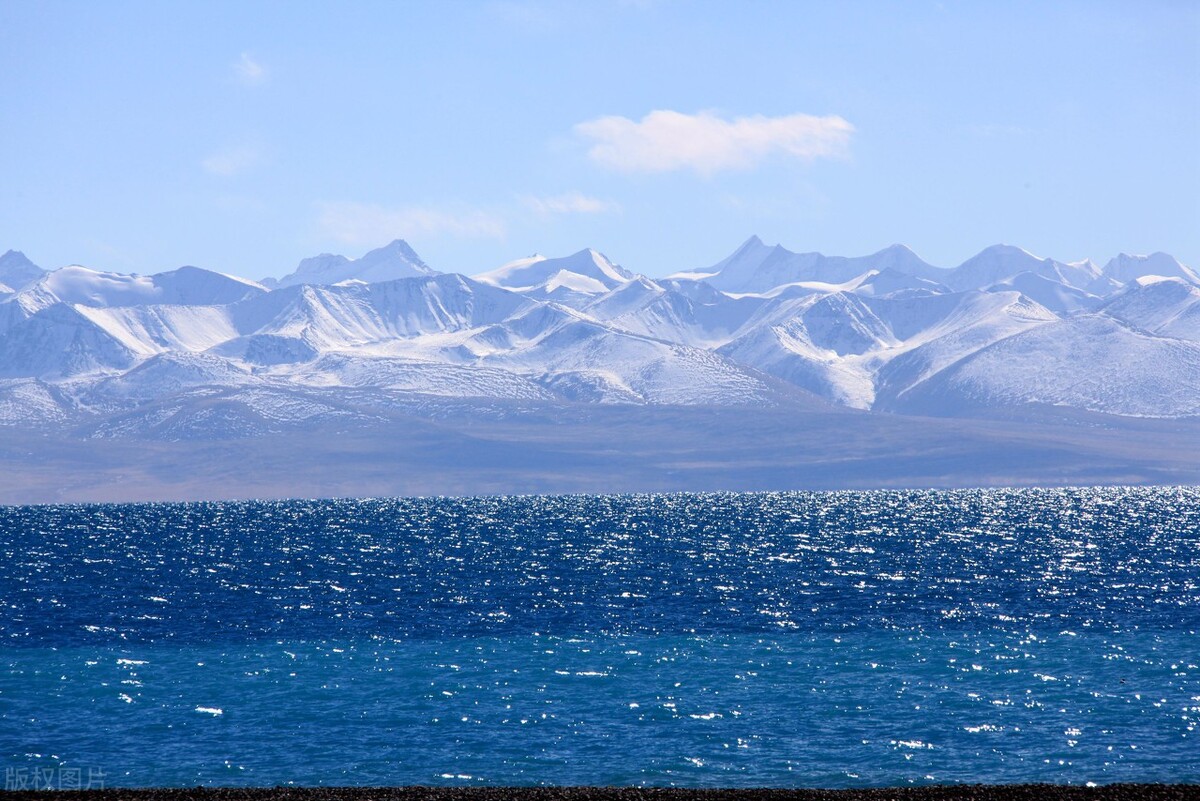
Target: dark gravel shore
x,y
1013,792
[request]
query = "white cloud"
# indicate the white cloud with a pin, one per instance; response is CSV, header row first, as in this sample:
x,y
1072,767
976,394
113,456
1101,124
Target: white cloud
x,y
669,140
231,162
369,224
569,203
249,71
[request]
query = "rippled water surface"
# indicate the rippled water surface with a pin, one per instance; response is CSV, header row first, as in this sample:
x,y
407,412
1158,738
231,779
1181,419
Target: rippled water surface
x,y
798,639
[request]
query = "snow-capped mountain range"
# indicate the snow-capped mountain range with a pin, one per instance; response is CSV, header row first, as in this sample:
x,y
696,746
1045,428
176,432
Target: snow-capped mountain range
x,y
110,354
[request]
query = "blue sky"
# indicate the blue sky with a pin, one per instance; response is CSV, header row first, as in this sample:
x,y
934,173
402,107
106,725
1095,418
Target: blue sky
x,y
245,136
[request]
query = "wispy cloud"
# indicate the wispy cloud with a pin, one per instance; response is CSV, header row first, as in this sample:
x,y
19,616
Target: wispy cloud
x,y
250,71
231,161
369,224
569,203
669,140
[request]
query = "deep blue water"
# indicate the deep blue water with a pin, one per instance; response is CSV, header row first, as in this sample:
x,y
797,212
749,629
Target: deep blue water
x,y
792,639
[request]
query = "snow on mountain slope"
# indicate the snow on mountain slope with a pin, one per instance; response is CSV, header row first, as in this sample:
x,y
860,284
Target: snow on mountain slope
x,y
1054,295
16,270
432,378
285,326
166,374
940,330
840,345
59,341
442,303
755,267
512,273
525,326
195,286
624,364
786,352
1186,325
206,414
998,263
744,261
185,286
888,281
1126,268
31,402
572,280
877,332
264,350
17,308
149,329
1087,362
1167,307
356,314
805,341
80,285
840,323
629,297
396,260
674,311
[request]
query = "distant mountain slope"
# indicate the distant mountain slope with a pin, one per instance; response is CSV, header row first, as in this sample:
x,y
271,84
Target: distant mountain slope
x,y
396,260
60,341
938,332
1089,362
1058,297
756,267
999,263
1168,307
16,270
764,328
573,280
187,286
688,313
1125,268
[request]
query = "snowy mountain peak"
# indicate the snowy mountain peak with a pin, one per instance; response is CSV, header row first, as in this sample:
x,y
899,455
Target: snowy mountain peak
x,y
582,275
993,264
392,261
903,259
756,268
752,248
16,270
746,258
595,264
86,287
196,286
1126,268
397,248
1004,251
1150,280
998,263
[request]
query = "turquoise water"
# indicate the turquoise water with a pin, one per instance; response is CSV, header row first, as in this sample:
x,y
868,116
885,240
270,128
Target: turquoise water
x,y
797,639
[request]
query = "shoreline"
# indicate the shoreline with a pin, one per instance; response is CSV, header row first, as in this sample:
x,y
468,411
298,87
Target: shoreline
x,y
974,792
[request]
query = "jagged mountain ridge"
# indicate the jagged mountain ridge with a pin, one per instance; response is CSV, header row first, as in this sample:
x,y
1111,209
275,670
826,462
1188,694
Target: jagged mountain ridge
x,y
762,327
394,260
